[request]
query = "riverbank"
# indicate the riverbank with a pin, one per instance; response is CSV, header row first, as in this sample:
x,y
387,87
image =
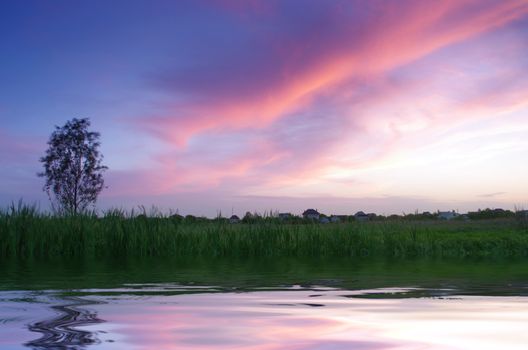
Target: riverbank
x,y
27,233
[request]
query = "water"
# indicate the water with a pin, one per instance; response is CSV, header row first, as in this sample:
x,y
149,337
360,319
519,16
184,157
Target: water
x,y
286,304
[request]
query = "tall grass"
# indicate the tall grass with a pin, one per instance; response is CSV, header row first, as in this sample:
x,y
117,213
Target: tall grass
x,y
25,232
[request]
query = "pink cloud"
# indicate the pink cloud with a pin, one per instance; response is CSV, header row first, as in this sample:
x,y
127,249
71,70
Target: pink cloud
x,y
393,40
297,150
351,98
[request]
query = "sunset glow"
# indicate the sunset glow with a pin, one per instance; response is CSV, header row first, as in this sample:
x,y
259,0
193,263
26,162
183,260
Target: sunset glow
x,y
235,106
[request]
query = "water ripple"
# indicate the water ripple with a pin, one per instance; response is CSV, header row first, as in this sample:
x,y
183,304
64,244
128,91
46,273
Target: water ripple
x,y
60,332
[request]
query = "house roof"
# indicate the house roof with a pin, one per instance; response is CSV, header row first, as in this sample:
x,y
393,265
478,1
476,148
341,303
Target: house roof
x,y
311,212
234,217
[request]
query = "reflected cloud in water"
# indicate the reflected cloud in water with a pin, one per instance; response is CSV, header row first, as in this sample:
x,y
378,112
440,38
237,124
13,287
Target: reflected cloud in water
x,y
291,319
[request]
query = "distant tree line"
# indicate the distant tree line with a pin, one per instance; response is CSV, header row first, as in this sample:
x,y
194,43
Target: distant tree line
x,y
273,217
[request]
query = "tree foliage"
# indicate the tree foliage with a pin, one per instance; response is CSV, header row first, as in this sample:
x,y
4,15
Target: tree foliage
x,y
73,167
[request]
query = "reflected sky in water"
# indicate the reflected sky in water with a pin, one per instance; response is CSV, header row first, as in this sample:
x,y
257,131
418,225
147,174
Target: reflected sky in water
x,y
177,317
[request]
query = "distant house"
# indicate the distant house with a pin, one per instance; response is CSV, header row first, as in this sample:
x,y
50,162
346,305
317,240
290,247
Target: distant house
x,y
324,220
342,218
361,216
176,217
522,213
427,215
335,219
311,214
285,216
447,215
463,217
234,219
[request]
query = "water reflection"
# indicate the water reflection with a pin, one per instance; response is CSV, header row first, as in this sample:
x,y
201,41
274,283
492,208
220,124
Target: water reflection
x,y
62,332
298,317
263,304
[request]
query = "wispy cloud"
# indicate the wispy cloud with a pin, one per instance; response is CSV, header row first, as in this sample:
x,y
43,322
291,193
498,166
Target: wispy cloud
x,y
490,195
273,76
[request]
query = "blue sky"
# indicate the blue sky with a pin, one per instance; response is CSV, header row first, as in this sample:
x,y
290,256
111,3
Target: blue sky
x,y
207,106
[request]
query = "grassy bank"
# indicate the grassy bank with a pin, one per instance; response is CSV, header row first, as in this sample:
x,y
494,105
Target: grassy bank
x,y
24,232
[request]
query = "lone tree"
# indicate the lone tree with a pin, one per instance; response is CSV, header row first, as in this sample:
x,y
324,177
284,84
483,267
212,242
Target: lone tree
x,y
72,167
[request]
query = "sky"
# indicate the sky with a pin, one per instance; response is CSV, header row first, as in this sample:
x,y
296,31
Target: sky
x,y
220,106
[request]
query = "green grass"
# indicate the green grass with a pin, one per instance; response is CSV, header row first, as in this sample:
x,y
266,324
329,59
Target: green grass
x,y
24,233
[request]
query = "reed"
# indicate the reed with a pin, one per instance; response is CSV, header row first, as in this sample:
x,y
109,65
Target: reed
x,y
26,232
